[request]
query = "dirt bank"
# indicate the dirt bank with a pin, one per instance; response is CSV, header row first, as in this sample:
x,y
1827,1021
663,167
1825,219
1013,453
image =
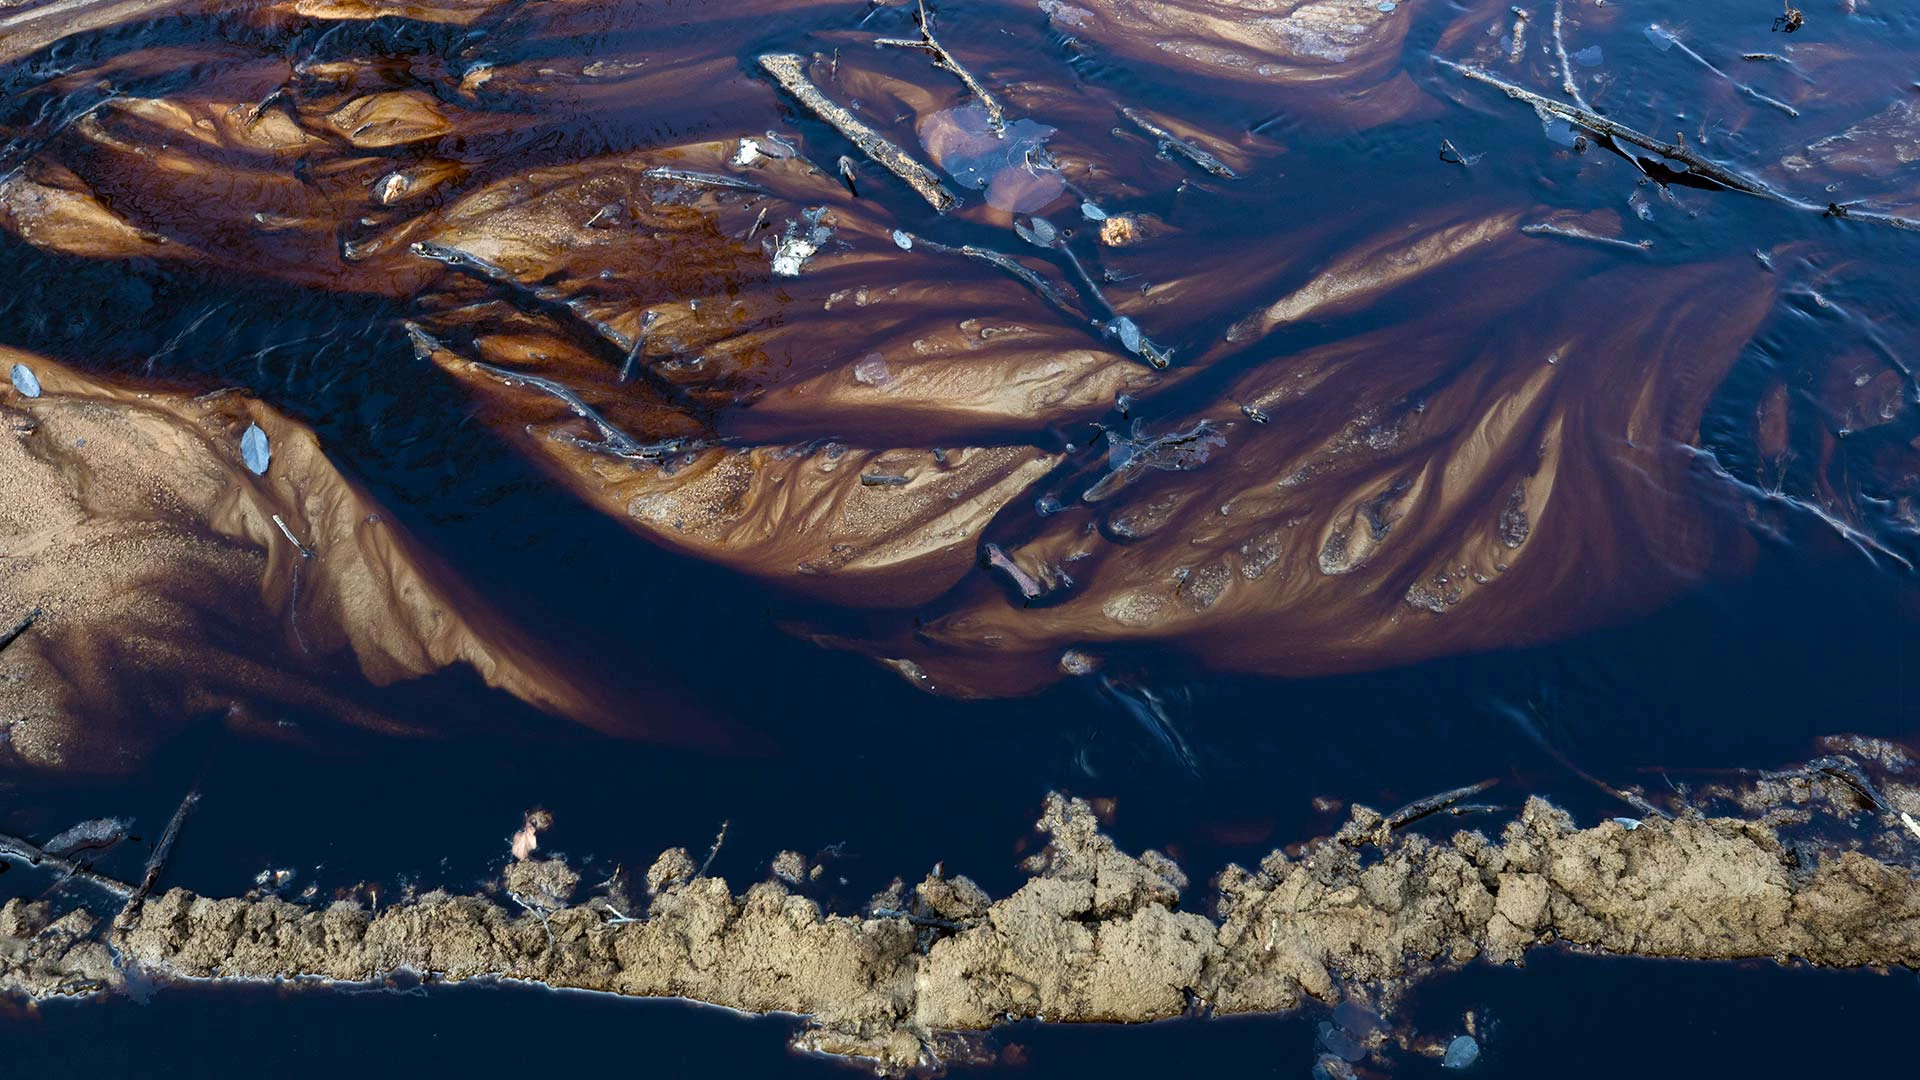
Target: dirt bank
x,y
1095,934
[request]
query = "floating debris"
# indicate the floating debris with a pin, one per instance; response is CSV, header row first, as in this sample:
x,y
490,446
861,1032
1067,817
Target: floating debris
x,y
884,480
1451,154
903,240
1092,212
25,381
1790,20
255,451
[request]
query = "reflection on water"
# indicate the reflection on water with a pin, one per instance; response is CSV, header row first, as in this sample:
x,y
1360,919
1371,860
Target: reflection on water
x,y
599,366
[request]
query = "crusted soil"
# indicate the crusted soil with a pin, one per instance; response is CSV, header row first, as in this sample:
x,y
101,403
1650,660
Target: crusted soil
x,y
1094,935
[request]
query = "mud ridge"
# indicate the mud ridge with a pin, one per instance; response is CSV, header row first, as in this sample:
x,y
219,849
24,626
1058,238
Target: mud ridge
x,y
1095,934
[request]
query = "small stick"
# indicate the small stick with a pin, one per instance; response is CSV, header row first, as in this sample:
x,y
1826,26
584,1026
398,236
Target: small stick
x,y
305,552
1520,17
1545,229
26,623
1433,804
846,175
1560,50
1169,141
789,71
1674,39
715,849
25,851
944,60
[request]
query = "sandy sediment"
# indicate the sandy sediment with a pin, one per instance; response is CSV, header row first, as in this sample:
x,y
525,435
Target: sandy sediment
x,y
1095,934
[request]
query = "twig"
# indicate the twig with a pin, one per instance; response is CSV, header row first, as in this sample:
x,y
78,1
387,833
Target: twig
x,y
305,552
1674,39
715,849
1546,229
1169,141
1432,804
31,854
689,176
1560,50
789,71
944,60
26,622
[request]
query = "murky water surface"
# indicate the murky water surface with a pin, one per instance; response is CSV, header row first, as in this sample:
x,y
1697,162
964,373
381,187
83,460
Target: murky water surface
x,y
1279,413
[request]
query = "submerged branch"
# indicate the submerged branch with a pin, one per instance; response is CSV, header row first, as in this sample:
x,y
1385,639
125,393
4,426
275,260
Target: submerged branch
x,y
1170,142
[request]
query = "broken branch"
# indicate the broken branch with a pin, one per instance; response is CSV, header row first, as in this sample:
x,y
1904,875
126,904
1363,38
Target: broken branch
x,y
944,60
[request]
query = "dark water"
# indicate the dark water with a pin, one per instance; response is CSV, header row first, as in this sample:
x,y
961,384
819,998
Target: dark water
x,y
1804,632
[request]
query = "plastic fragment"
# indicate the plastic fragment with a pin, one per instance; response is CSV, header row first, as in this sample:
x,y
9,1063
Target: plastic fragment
x,y
1092,212
254,450
902,240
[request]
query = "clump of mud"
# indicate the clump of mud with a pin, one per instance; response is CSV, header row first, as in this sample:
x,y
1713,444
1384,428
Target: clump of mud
x,y
1095,934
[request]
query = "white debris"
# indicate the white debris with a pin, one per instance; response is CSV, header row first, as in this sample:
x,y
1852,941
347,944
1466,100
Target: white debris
x,y
1912,825
748,154
902,240
871,370
792,253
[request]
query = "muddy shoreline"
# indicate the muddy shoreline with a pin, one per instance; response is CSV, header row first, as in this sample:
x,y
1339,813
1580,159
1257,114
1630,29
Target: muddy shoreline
x,y
1094,935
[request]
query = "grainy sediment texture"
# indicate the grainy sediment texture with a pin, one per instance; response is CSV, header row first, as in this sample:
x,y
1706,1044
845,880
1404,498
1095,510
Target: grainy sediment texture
x,y
1094,935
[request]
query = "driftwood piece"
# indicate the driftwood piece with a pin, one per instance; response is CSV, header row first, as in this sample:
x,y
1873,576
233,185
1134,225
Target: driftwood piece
x,y
789,70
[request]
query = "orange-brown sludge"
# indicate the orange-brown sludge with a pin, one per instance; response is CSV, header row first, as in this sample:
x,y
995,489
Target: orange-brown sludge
x,y
715,333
